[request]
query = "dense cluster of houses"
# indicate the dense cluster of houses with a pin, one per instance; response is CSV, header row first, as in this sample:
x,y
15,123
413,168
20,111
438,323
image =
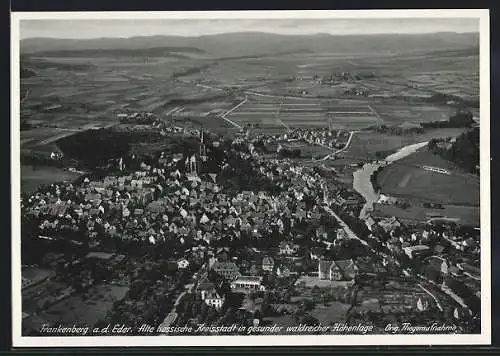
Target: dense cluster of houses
x,y
137,117
159,202
415,240
324,137
439,250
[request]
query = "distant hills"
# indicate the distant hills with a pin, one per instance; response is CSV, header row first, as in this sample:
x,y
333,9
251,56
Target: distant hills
x,y
173,52
252,43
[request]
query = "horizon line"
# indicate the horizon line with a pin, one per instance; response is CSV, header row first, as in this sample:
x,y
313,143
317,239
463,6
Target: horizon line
x,y
256,32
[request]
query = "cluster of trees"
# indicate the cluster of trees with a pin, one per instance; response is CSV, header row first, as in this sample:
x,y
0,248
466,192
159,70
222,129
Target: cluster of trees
x,y
149,300
432,273
357,225
340,294
461,289
28,60
232,315
242,175
348,248
464,151
400,129
192,306
26,73
286,153
374,179
442,98
95,147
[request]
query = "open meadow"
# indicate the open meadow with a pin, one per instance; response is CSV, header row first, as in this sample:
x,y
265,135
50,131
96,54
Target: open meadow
x,y
408,178
365,144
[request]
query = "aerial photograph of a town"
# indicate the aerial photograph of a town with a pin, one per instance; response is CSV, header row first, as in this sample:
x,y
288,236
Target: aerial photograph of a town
x,y
250,176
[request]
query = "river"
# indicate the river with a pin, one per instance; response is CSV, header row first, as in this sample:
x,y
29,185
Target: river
x,y
362,177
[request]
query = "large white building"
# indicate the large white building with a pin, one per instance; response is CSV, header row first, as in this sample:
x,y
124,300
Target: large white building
x,y
212,298
248,282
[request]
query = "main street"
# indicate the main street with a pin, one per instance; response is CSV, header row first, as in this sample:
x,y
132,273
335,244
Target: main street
x,y
346,227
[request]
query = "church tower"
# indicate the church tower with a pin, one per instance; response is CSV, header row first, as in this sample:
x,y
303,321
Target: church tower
x,y
203,151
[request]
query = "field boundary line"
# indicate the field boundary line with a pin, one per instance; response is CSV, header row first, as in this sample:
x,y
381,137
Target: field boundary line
x,y
174,110
223,116
282,123
209,87
278,115
375,113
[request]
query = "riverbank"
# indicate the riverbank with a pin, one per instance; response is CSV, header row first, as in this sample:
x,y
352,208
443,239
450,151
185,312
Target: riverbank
x,y
362,182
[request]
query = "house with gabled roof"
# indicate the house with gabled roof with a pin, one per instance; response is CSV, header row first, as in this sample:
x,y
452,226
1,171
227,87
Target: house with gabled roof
x,y
370,222
212,298
182,264
340,270
268,263
390,223
282,271
287,248
229,270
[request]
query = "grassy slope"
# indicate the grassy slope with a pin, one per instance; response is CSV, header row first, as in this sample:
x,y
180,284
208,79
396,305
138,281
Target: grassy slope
x,y
406,178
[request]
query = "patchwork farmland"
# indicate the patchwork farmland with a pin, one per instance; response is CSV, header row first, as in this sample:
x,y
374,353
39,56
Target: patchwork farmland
x,y
292,113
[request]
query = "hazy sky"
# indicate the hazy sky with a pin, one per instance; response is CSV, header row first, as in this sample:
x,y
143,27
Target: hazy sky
x,y
183,27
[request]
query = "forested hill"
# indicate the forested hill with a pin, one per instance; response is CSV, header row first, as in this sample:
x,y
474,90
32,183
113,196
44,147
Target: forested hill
x,y
464,151
176,52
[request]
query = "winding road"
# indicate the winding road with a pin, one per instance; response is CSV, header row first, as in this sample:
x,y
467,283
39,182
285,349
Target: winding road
x,y
343,148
